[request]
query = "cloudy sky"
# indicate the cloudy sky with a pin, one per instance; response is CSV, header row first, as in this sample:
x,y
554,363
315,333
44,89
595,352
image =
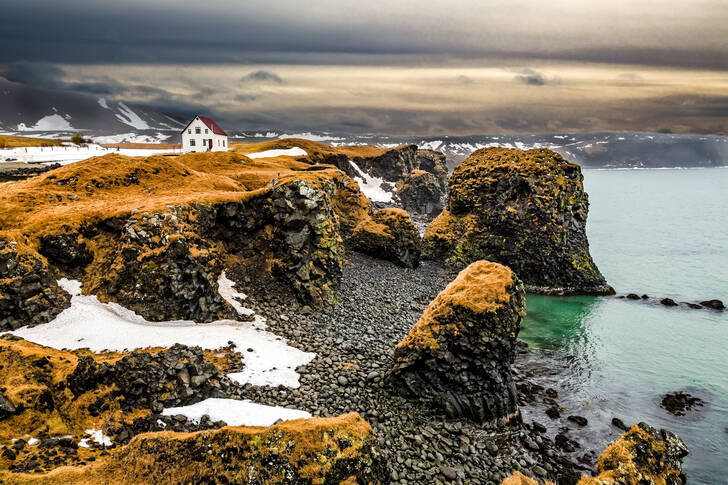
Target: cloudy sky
x,y
400,67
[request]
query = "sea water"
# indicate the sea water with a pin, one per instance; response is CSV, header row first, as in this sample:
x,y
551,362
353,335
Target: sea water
x,y
663,233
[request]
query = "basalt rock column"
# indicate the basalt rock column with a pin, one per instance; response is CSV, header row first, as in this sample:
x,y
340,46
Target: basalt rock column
x,y
459,354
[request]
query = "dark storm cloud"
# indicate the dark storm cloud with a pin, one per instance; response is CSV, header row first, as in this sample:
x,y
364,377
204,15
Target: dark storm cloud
x,y
530,77
262,77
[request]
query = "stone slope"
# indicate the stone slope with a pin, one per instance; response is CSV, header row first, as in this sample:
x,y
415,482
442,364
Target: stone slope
x,y
524,209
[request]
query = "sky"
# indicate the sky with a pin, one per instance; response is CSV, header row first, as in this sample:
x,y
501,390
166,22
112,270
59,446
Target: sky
x,y
399,67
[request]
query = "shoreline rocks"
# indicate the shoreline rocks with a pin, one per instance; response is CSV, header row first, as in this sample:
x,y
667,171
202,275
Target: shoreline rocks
x,y
389,234
459,354
523,209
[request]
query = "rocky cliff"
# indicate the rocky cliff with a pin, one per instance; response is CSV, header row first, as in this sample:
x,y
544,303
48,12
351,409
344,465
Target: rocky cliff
x,y
459,354
524,209
154,234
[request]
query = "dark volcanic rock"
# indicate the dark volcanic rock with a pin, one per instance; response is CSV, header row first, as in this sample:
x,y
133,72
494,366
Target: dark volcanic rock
x,y
678,403
29,294
524,209
668,302
6,407
714,304
173,377
434,162
459,354
392,165
421,192
389,234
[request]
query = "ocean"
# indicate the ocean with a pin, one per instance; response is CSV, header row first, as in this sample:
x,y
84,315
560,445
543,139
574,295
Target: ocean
x,y
663,232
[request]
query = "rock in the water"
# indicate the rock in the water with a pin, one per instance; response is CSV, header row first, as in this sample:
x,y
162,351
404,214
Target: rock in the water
x,y
714,304
524,209
678,403
459,354
668,302
421,192
389,234
642,455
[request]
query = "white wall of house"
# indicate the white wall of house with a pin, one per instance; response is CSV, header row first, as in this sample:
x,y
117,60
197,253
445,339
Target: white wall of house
x,y
197,138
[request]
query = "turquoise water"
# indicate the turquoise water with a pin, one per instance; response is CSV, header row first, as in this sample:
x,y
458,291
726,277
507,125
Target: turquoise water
x,y
664,233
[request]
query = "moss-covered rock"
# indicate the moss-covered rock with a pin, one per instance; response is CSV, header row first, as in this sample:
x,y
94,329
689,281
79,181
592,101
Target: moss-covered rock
x,y
459,354
524,209
312,451
389,234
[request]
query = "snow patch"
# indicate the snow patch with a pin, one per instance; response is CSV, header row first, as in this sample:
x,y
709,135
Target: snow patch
x,y
103,104
371,186
52,122
88,323
236,413
291,152
97,436
130,118
310,137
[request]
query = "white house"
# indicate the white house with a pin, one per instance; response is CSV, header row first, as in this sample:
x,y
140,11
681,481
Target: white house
x,y
202,134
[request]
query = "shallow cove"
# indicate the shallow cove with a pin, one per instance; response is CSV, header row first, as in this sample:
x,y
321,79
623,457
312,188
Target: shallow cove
x,y
663,233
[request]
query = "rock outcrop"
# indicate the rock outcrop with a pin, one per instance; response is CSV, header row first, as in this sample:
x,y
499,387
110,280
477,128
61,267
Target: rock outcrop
x,y
643,455
389,234
459,354
154,234
524,209
319,450
28,292
435,163
421,192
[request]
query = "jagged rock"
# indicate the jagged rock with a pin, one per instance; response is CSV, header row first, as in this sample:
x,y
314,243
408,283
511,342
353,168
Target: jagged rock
x,y
318,450
389,234
29,295
642,455
524,209
459,354
435,163
172,377
391,165
6,407
678,403
421,192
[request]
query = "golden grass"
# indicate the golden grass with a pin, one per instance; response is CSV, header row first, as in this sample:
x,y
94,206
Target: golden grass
x,y
24,141
481,287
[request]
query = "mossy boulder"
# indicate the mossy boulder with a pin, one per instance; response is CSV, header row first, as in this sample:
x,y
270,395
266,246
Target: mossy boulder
x,y
524,209
389,234
459,354
643,455
323,451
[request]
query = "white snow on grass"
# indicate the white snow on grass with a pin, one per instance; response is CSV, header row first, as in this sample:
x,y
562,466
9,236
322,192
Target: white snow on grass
x,y
130,138
236,413
291,152
70,153
130,118
234,297
97,436
103,103
88,323
309,136
51,122
371,186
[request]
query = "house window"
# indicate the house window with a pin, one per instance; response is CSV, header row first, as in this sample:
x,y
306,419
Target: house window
x,y
189,131
223,143
197,130
192,143
205,131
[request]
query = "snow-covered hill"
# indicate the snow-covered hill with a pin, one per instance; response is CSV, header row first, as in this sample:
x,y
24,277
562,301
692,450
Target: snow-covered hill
x,y
27,109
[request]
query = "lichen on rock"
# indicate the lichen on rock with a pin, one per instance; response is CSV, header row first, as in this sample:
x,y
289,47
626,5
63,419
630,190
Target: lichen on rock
x,y
459,354
389,234
524,209
311,451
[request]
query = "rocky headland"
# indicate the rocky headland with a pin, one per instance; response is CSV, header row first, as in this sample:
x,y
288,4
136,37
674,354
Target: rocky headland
x,y
524,209
413,371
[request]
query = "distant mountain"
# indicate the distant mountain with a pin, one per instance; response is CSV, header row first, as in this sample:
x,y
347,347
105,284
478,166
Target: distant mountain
x,y
590,150
25,108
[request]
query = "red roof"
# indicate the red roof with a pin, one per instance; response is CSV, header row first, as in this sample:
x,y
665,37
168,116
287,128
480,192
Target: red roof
x,y
210,123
